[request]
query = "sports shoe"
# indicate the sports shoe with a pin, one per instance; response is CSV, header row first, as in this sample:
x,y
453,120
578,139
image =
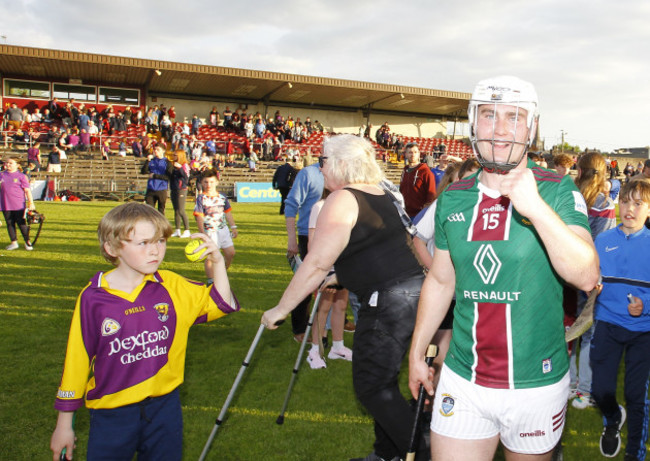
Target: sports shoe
x,y
610,439
177,233
186,234
582,401
315,360
29,247
344,353
349,327
12,246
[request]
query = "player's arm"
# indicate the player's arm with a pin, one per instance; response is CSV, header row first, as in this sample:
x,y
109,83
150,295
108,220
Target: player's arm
x,y
199,222
29,198
570,247
331,236
435,298
422,252
231,223
291,205
431,188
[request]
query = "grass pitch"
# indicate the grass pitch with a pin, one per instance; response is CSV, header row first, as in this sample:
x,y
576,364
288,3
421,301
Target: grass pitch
x,y
323,422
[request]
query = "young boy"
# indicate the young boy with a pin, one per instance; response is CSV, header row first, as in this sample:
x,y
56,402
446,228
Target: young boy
x,y
623,324
129,334
213,215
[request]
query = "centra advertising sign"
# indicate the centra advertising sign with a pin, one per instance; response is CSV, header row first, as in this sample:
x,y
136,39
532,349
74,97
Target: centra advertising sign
x,y
256,192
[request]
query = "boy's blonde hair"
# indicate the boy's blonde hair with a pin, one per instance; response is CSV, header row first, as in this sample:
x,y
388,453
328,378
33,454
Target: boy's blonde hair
x,y
117,225
642,186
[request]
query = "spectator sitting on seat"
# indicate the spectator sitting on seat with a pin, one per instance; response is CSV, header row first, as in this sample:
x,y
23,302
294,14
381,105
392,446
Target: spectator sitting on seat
x,y
644,171
136,147
27,117
121,150
47,116
166,128
73,139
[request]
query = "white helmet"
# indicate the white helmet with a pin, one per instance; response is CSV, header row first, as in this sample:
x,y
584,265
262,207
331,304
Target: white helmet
x,y
505,90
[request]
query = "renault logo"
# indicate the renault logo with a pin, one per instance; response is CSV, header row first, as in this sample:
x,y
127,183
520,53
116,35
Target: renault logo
x,y
487,263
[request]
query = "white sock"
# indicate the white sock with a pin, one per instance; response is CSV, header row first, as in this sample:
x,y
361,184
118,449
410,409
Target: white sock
x,y
337,345
314,347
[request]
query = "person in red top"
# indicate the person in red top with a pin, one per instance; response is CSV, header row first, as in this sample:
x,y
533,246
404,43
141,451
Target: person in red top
x,y
418,184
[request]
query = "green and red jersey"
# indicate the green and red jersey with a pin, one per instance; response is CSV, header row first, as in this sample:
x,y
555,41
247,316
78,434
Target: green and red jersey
x,y
508,331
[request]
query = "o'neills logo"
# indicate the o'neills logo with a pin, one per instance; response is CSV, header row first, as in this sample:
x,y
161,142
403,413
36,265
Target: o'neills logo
x,y
537,433
494,209
145,342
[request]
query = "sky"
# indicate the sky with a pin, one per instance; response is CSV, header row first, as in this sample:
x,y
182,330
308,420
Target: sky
x,y
588,59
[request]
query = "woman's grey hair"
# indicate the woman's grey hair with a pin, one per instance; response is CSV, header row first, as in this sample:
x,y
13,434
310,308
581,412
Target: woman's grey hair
x,y
352,160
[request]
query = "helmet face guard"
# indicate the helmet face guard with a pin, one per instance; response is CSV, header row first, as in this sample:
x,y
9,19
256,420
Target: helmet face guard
x,y
496,93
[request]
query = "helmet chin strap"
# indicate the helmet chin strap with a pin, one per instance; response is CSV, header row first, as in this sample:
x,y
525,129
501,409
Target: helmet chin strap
x,y
499,167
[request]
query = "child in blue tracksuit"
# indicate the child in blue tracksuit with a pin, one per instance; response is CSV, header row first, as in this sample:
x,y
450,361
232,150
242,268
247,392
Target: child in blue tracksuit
x,y
623,324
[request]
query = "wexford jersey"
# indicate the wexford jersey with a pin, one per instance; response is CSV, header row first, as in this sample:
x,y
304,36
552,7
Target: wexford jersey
x,y
213,209
123,348
508,331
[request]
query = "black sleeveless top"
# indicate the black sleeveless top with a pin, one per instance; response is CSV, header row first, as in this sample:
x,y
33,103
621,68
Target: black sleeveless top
x,y
380,251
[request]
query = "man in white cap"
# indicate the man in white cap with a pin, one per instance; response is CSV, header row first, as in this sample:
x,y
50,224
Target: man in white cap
x,y
505,238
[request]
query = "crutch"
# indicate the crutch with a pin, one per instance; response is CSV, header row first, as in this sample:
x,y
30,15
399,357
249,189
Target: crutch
x,y
231,394
296,366
432,352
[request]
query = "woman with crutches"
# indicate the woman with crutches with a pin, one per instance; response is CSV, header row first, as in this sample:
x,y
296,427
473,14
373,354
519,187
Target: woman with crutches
x,y
361,232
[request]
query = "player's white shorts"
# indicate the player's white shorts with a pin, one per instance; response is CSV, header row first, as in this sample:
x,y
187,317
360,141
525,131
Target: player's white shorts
x,y
221,237
528,421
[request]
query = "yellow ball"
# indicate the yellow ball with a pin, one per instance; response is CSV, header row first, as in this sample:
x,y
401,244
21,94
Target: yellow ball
x,y
189,251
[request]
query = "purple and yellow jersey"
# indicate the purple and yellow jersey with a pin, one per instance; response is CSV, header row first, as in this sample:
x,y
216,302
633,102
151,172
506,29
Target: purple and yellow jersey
x,y
508,331
125,347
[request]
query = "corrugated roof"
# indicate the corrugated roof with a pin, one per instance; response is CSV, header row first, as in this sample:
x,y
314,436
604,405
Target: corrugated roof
x,y
226,83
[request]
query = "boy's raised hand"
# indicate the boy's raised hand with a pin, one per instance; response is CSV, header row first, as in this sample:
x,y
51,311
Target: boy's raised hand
x,y
211,249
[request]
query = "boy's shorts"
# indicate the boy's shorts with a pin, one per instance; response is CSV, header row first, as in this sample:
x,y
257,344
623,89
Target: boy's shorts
x,y
221,237
153,428
528,421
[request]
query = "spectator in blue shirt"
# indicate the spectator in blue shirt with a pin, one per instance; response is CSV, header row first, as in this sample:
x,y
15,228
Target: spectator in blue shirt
x,y
306,191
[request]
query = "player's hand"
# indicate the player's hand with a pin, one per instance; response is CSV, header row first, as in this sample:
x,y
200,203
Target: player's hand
x,y
63,437
234,233
292,249
520,187
273,317
211,249
420,373
635,308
